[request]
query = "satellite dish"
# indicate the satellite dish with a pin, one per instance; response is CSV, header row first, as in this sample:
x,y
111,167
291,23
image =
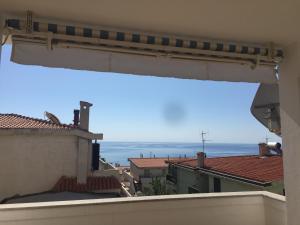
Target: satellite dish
x,y
52,118
265,107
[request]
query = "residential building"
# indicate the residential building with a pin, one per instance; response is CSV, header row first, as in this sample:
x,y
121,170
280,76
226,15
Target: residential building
x,y
40,156
227,174
145,170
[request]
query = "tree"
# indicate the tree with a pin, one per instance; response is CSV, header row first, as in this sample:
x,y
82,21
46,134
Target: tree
x,y
158,187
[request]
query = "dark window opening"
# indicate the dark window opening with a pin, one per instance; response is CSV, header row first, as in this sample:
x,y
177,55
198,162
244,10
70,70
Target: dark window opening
x,y
150,40
104,34
95,156
217,184
52,28
120,36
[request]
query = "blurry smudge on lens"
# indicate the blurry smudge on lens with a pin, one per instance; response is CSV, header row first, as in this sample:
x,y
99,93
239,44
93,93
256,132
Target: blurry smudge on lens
x,y
174,113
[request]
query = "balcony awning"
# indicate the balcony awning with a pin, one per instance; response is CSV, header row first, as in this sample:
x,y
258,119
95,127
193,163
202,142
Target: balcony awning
x,y
63,45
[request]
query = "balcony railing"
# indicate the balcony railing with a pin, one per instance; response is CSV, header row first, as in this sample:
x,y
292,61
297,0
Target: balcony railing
x,y
240,208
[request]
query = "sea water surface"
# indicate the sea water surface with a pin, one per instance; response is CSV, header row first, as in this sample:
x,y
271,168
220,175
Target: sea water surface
x,y
119,152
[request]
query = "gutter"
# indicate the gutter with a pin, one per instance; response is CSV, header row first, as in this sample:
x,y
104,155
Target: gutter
x,y
51,132
232,177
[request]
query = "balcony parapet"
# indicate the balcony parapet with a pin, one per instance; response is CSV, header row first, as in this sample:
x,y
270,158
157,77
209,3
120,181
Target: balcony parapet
x,y
247,208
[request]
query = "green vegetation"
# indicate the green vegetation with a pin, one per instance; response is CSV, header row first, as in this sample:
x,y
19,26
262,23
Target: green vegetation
x,y
157,187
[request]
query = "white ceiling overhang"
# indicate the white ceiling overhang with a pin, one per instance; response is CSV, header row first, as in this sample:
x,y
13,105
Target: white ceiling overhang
x,y
255,21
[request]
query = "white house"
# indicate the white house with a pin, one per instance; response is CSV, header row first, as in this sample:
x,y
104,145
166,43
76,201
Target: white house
x,y
44,155
144,170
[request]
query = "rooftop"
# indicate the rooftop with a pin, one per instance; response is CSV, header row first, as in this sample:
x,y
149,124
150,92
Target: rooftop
x,y
93,184
23,122
59,196
154,162
260,169
67,188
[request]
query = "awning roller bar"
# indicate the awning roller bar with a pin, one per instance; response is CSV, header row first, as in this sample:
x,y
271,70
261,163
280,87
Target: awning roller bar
x,y
142,43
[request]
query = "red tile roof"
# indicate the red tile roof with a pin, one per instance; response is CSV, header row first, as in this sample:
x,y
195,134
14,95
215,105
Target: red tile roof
x,y
18,121
153,162
92,184
260,169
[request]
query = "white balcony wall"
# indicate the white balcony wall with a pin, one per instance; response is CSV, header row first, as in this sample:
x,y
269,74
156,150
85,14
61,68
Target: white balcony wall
x,y
127,177
105,165
275,209
244,208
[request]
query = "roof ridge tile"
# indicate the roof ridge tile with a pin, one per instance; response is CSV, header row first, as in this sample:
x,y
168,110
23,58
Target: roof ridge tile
x,y
13,120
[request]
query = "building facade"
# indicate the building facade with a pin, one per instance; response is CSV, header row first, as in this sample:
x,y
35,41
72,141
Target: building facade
x,y
144,170
147,171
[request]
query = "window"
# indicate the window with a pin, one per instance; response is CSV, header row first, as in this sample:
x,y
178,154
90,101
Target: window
x,y
217,184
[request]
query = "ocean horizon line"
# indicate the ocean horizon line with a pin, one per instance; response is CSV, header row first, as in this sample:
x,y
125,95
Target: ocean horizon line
x,y
182,142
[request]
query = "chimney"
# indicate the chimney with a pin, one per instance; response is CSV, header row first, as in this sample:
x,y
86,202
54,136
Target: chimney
x,y
263,149
200,159
84,115
76,117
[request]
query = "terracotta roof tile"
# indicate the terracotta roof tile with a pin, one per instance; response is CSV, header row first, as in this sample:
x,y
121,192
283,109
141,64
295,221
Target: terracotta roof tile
x,y
153,162
261,169
23,122
92,184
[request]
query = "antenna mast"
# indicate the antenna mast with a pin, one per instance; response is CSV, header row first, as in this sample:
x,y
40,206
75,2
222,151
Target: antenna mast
x,y
203,140
267,139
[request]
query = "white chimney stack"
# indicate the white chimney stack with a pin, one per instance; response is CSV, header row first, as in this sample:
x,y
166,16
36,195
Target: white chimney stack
x,y
200,159
84,115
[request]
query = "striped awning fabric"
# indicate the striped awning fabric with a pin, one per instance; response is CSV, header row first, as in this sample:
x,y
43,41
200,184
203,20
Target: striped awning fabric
x,y
105,49
147,43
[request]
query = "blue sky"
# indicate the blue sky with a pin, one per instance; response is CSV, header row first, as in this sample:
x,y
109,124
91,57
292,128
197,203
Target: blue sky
x,y
134,108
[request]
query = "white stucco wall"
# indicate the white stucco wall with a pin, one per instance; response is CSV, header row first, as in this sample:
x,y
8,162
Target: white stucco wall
x,y
34,163
228,185
289,93
185,179
135,171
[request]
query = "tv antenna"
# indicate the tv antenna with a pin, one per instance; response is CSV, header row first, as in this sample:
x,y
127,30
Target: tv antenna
x,y
203,140
267,139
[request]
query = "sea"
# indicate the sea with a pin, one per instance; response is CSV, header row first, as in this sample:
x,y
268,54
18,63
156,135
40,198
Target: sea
x,y
119,152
